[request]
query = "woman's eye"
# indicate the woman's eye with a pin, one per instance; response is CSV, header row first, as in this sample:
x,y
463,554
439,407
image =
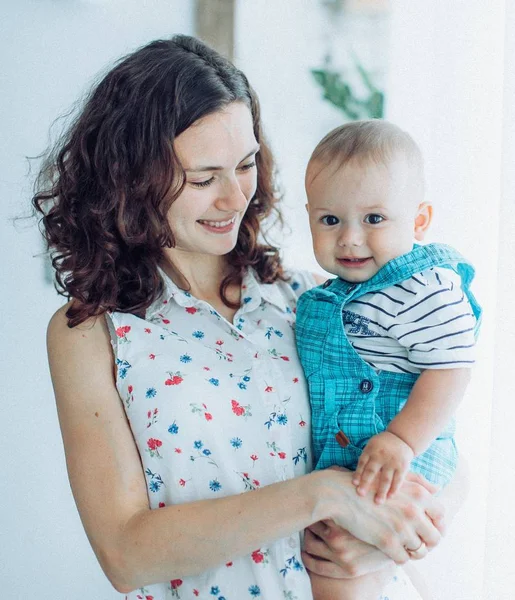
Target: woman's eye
x,y
374,219
202,184
247,167
330,220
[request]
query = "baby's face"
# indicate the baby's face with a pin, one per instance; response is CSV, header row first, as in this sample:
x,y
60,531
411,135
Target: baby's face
x,y
364,214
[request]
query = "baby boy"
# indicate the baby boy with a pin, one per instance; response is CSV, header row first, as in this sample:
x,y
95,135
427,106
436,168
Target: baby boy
x,y
387,345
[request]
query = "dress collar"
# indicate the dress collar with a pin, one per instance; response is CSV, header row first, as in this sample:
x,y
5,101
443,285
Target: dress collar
x,y
253,293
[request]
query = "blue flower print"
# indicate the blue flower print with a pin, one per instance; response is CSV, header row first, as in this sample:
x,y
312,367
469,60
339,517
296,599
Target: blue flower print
x,y
247,300
198,334
215,485
123,367
198,444
151,393
215,590
155,481
214,381
236,442
206,452
254,591
174,428
282,419
246,378
295,285
242,386
185,358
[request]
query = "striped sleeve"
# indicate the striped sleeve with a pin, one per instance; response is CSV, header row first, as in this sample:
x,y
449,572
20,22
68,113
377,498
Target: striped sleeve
x,y
436,324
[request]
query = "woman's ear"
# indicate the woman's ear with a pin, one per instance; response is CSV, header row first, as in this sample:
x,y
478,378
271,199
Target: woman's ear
x,y
423,220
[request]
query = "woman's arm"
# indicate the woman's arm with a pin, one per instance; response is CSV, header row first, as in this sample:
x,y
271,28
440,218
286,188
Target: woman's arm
x,y
137,546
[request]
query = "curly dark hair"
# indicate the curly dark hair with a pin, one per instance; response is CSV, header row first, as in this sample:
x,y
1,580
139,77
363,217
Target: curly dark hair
x,y
105,189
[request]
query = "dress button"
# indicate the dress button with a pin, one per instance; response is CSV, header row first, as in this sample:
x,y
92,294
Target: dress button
x,y
366,386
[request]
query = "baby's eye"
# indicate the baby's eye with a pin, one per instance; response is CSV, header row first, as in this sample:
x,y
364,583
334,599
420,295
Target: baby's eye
x,y
374,219
330,220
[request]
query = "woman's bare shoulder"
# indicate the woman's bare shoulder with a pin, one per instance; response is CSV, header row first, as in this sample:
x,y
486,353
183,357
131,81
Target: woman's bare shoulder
x,y
74,350
59,333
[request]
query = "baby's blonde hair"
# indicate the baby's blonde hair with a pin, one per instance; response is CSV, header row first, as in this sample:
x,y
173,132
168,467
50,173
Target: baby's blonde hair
x,y
372,140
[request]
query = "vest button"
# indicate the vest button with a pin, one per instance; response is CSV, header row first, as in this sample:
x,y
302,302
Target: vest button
x,y
366,386
351,288
327,283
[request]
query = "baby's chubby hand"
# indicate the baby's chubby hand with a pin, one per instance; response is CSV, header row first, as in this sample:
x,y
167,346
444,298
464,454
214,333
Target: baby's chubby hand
x,y
383,464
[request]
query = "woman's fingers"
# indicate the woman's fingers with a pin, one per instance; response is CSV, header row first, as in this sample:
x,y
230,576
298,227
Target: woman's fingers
x,y
417,478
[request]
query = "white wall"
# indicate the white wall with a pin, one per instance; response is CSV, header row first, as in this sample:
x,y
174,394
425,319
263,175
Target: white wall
x,y
50,50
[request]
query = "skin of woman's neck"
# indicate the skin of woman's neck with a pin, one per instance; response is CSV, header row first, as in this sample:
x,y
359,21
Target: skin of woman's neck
x,y
200,274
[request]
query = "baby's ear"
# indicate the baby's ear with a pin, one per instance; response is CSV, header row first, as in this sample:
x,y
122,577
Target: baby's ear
x,y
423,220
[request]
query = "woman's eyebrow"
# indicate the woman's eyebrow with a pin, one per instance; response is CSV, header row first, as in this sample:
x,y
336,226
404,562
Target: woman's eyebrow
x,y
216,168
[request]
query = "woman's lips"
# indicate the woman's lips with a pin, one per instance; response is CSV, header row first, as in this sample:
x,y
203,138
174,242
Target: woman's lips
x,y
354,263
218,227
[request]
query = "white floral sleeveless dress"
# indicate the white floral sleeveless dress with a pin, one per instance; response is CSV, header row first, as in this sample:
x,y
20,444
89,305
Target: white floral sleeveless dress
x,y
218,409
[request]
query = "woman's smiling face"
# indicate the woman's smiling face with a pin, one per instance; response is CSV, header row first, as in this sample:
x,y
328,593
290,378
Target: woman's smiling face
x,y
218,156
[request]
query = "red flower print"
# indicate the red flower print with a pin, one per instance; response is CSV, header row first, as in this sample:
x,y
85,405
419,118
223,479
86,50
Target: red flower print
x,y
207,369
152,356
121,331
229,564
282,454
246,475
182,482
208,416
166,321
302,423
191,310
154,444
269,388
129,389
257,556
253,457
175,583
175,380
162,505
256,482
178,451
295,380
147,330
196,592
165,301
286,358
237,409
219,342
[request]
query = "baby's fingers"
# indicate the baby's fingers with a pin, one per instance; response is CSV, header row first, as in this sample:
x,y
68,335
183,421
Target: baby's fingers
x,y
397,480
385,482
362,463
370,472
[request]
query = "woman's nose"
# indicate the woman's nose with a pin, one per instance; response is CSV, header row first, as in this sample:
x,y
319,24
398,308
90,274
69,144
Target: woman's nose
x,y
350,235
232,196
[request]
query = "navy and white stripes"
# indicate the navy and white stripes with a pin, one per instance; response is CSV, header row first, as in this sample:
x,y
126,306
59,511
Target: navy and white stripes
x,y
426,322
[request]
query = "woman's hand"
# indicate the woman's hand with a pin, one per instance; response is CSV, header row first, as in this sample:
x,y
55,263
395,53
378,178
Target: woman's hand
x,y
333,552
413,516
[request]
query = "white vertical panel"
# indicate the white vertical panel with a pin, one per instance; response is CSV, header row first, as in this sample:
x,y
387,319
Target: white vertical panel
x,y
499,553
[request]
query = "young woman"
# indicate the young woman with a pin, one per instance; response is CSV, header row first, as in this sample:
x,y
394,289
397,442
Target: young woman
x,y
181,400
